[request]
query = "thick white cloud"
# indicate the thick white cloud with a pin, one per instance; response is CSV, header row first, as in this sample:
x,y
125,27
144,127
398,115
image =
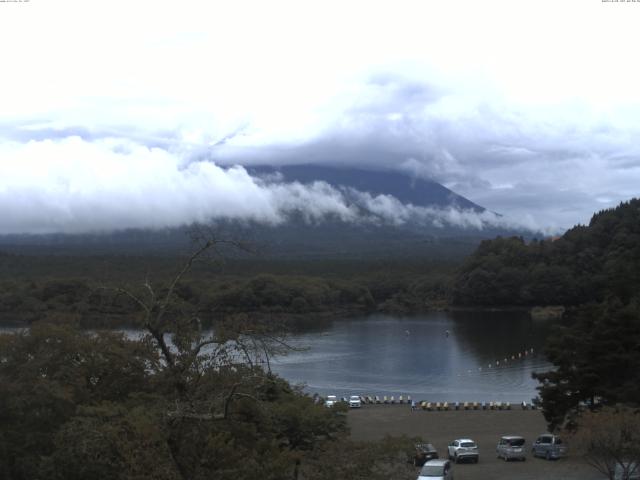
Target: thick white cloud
x,y
527,108
74,186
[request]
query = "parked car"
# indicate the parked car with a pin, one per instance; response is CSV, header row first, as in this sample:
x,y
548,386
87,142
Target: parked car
x,y
549,446
330,401
354,401
436,470
511,447
463,449
424,453
632,471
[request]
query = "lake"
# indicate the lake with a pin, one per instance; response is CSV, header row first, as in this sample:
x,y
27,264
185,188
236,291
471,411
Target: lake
x,y
440,356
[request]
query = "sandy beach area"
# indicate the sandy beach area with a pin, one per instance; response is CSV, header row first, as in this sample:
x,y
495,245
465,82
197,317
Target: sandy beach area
x,y
485,427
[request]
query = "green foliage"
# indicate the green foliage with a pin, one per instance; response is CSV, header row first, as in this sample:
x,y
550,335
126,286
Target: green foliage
x,y
585,264
596,356
76,404
95,304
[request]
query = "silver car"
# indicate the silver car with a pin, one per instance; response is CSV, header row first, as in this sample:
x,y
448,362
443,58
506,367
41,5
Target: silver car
x,y
436,470
549,446
511,447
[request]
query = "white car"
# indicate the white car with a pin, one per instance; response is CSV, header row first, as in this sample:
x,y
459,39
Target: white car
x,y
354,401
436,470
463,449
330,401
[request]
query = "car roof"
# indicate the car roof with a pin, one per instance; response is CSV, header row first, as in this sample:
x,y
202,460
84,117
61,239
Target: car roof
x,y
464,440
439,461
511,437
425,445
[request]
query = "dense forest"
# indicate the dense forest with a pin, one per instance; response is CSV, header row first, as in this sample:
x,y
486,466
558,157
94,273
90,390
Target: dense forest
x,y
595,271
302,292
588,263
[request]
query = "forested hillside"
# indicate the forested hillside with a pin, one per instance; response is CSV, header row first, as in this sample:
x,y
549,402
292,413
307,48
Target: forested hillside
x,y
81,287
595,271
588,263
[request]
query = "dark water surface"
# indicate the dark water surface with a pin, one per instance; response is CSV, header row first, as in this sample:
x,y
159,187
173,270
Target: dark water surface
x,y
391,355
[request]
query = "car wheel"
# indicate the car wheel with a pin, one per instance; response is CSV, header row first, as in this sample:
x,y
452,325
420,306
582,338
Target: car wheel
x,y
455,458
477,459
524,459
548,455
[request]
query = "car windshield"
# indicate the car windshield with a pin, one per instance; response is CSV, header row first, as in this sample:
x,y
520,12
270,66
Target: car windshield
x,y
516,442
432,471
467,444
355,397
558,441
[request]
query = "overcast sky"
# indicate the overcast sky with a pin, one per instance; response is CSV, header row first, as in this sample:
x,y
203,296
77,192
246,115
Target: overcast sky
x,y
120,114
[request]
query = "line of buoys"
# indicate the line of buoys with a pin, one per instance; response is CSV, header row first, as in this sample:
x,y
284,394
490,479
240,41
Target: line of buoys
x,y
499,362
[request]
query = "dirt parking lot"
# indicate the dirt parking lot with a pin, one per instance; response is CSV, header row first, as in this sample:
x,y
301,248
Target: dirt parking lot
x,y
484,426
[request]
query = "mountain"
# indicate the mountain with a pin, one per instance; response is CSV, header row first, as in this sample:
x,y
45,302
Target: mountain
x,y
406,188
398,214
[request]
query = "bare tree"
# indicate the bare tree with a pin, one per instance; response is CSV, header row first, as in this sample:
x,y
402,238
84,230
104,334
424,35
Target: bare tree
x,y
187,351
609,440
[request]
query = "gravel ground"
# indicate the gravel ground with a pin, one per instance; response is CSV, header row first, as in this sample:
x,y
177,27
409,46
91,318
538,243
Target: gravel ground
x,y
485,427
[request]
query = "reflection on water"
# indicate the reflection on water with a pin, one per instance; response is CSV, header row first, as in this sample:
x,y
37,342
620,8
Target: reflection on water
x,y
387,355
440,356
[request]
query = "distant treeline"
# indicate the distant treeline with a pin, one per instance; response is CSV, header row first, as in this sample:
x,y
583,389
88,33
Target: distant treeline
x,y
587,264
86,288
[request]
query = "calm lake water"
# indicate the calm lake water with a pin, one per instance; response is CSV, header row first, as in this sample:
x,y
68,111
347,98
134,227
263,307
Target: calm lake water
x,y
439,356
391,355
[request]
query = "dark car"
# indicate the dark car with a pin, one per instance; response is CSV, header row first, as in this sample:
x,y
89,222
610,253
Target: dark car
x,y
424,453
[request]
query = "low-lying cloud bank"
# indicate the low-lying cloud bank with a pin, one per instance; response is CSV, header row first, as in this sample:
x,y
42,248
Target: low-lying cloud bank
x,y
72,185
